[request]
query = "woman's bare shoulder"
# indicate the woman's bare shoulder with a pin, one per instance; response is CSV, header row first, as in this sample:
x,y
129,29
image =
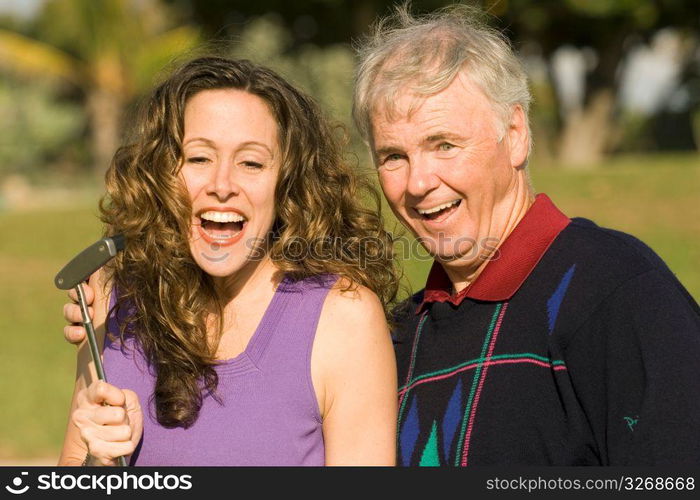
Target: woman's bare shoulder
x,y
352,320
353,304
353,359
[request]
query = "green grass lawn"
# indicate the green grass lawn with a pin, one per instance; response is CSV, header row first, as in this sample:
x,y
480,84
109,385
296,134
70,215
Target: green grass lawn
x,y
37,369
658,200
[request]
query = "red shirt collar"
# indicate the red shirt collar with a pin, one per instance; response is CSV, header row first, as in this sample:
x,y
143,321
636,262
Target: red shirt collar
x,y
512,263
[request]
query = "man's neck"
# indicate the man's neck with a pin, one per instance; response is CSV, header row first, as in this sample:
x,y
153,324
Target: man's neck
x,y
463,276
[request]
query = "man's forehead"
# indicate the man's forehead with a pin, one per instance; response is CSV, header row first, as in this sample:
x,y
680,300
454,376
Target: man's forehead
x,y
396,107
456,107
405,102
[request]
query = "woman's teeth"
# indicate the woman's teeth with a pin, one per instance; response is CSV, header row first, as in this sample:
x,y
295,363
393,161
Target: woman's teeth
x,y
222,216
222,225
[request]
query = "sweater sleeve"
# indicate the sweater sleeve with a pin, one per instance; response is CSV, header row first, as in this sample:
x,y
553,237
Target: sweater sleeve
x,y
635,368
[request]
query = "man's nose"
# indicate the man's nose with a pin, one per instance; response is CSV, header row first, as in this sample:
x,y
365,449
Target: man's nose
x,y
223,182
421,178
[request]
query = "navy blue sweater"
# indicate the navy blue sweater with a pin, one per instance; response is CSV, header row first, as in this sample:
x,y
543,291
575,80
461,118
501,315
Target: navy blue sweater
x,y
580,348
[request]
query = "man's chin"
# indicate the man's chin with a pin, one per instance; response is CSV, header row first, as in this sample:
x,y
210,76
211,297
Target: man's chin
x,y
446,253
457,261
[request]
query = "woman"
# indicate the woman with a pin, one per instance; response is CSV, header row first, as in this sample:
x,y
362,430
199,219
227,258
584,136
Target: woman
x,y
248,325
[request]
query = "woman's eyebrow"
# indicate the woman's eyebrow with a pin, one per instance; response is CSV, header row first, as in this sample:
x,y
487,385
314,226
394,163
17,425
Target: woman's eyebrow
x,y
208,142
258,144
244,145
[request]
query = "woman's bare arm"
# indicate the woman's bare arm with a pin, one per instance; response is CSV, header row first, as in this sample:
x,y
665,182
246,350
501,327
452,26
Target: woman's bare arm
x,y
354,374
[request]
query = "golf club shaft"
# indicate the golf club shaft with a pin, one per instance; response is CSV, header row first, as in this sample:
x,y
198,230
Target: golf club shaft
x,y
92,341
90,329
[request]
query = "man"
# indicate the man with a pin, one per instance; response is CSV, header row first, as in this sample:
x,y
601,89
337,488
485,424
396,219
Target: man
x,y
538,339
569,344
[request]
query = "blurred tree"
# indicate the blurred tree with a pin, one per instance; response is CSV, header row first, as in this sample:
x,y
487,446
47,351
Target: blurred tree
x,y
322,22
35,127
608,29
110,50
324,72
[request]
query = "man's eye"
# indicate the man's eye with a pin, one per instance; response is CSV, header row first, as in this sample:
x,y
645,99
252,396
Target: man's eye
x,y
445,146
392,157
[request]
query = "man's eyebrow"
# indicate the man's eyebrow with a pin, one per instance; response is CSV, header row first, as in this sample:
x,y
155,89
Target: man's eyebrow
x,y
442,136
386,150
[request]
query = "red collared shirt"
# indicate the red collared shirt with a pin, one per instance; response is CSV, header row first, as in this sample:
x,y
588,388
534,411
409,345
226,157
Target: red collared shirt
x,y
512,262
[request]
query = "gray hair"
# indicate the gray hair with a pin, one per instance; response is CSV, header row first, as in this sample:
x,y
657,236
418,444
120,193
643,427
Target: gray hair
x,y
427,53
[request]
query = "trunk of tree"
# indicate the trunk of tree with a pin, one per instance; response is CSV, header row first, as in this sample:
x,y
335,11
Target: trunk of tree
x,y
587,130
105,113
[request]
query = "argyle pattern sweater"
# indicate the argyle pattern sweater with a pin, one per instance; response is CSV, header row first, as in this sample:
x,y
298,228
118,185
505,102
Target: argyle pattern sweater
x,y
592,358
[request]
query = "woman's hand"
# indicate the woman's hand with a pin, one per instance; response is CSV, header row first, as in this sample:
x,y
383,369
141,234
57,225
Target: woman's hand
x,y
75,331
110,421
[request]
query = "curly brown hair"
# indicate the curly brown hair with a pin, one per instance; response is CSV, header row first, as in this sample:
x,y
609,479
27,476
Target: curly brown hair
x,y
319,199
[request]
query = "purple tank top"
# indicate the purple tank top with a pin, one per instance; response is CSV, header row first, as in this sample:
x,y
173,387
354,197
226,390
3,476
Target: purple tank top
x,y
268,413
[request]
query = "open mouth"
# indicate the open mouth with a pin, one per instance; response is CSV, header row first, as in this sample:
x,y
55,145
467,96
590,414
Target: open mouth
x,y
222,228
439,212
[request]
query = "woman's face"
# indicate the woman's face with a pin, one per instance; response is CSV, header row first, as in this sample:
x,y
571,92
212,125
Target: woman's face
x,y
230,166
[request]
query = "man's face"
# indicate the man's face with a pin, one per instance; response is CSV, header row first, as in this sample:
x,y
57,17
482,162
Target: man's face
x,y
450,173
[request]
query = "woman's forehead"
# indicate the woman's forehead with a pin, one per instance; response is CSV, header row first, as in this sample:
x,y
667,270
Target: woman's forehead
x,y
226,116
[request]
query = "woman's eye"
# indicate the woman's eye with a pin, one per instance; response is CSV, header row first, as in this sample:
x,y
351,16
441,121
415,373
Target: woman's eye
x,y
198,159
252,164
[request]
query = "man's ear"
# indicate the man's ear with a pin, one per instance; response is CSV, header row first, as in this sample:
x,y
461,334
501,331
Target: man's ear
x,y
518,137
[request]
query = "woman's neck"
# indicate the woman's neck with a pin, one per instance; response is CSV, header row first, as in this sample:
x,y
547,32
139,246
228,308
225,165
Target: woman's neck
x,y
254,276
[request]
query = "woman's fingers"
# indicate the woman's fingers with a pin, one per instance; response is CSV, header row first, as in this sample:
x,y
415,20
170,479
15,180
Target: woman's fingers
x,y
106,452
110,421
110,415
75,332
108,433
101,393
134,415
72,314
87,290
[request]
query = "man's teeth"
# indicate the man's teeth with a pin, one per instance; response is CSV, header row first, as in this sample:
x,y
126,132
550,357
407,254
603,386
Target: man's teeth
x,y
437,209
214,216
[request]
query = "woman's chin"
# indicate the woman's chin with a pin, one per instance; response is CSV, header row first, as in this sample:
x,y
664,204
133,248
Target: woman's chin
x,y
222,261
219,262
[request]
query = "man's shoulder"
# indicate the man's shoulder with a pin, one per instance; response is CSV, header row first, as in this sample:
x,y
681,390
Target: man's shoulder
x,y
403,315
608,251
406,309
600,265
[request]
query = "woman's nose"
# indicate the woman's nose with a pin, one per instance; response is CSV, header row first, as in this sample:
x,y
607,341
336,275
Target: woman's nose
x,y
223,182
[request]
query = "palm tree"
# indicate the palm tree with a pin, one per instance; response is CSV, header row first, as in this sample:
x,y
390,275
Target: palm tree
x,y
109,49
